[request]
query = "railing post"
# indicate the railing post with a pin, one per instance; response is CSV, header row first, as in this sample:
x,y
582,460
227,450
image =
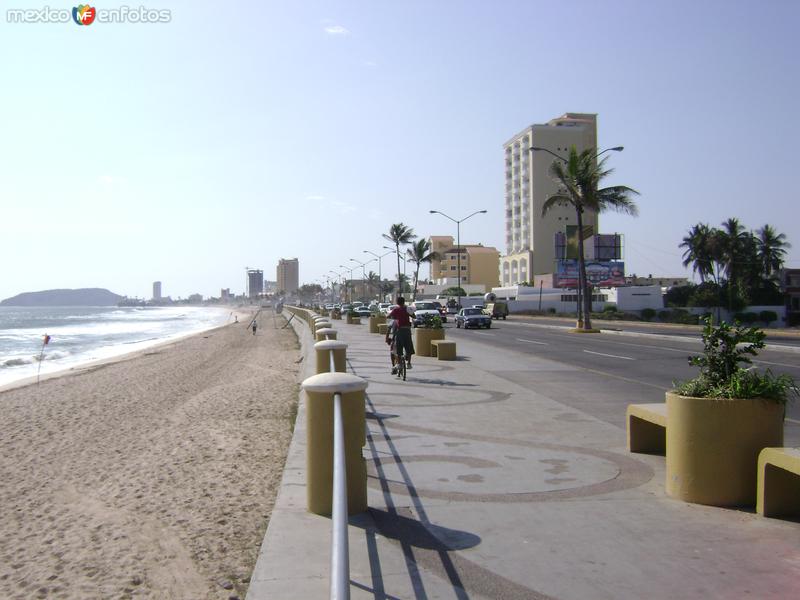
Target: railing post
x,y
331,349
325,334
320,390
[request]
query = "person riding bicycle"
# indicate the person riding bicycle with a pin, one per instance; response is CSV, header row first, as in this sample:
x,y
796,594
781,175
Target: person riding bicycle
x,y
402,321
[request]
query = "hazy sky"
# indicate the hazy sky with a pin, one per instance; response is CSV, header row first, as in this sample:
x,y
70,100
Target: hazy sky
x,y
242,132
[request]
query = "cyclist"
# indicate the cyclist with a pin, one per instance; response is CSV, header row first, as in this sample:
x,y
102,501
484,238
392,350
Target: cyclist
x,y
402,321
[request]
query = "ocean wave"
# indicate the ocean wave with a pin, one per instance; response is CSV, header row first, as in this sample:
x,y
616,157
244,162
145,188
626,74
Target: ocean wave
x,y
16,362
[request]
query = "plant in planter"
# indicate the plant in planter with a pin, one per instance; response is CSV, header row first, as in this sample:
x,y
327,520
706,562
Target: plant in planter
x,y
430,329
718,422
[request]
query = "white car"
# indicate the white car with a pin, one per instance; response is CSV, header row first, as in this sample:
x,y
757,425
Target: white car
x,y
423,308
385,308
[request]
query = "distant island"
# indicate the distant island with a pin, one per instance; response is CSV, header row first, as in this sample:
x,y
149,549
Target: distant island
x,y
80,297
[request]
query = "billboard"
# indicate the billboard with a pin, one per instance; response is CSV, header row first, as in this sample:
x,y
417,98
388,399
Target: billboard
x,y
599,273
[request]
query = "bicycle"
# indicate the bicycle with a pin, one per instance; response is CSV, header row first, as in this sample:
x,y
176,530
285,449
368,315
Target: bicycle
x,y
401,363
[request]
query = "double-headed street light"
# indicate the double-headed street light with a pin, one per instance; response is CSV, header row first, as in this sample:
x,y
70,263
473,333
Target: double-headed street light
x,y
346,268
363,270
380,265
583,288
458,242
339,275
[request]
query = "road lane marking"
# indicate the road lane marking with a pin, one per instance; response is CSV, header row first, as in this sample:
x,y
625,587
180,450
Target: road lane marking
x,y
609,355
533,342
765,362
795,421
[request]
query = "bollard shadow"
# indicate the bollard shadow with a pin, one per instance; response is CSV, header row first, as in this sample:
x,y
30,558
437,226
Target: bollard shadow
x,y
404,529
439,382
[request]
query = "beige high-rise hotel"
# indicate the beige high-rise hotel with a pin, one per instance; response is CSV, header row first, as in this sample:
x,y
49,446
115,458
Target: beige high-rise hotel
x,y
288,275
530,247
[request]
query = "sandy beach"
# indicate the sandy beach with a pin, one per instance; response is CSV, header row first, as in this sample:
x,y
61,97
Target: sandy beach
x,y
152,476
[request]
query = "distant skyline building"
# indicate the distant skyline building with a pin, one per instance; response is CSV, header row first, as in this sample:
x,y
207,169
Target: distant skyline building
x,y
288,275
530,248
156,290
255,282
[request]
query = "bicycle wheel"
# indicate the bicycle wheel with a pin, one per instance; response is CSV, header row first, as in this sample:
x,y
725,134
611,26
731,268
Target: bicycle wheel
x,y
401,363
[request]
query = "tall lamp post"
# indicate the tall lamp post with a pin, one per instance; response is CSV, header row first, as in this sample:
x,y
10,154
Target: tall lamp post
x,y
346,268
458,242
363,270
583,288
380,274
339,275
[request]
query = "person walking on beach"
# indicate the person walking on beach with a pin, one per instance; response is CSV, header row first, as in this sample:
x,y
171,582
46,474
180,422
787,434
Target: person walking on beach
x,y
255,326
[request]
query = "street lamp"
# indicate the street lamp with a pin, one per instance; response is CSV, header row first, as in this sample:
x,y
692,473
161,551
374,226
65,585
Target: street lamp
x,y
458,242
339,275
583,289
380,265
346,268
363,270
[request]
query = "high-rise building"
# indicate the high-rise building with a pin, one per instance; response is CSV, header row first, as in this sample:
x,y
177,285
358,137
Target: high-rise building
x,y
288,275
156,290
530,248
255,282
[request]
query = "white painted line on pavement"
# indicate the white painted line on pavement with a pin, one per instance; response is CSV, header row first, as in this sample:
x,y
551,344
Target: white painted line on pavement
x,y
533,342
795,421
765,362
609,355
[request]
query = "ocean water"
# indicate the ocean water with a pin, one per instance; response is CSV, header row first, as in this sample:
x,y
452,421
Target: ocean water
x,y
80,335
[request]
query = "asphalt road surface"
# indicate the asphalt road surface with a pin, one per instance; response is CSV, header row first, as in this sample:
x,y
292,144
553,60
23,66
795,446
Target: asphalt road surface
x,y
616,368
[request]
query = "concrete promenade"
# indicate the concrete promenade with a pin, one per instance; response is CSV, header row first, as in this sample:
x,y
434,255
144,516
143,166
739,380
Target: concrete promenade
x,y
482,488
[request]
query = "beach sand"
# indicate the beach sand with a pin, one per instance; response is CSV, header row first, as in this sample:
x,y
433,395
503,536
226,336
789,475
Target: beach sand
x,y
152,476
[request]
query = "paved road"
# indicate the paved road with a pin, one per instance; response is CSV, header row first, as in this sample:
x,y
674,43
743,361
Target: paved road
x,y
614,369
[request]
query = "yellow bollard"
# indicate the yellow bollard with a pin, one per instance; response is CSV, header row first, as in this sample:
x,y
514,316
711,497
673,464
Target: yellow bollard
x,y
319,391
323,351
325,334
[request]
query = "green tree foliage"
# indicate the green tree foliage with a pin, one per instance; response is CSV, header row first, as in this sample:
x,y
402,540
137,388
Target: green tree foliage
x,y
418,253
399,235
579,179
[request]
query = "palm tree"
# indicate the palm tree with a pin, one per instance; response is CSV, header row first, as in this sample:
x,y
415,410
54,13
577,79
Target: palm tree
x,y
399,234
579,178
372,281
698,253
771,250
418,253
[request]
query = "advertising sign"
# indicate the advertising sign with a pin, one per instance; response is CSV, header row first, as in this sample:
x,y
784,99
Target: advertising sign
x,y
599,274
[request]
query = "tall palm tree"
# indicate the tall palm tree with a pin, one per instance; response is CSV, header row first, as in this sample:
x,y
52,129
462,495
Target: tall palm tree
x,y
733,240
372,281
418,253
579,178
771,250
399,234
698,253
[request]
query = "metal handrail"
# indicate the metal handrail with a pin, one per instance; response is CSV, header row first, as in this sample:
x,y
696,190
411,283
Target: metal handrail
x,y
340,544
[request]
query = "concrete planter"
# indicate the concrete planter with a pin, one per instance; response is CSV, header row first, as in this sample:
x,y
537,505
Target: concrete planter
x,y
424,337
374,321
713,446
353,320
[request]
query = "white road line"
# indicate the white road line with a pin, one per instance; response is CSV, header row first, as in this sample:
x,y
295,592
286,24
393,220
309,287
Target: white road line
x,y
795,421
765,362
533,342
609,355
650,347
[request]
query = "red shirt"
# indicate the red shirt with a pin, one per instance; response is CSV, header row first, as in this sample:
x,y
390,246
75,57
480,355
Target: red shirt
x,y
400,314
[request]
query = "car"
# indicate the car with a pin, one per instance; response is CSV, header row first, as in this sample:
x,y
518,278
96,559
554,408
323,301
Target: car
x,y
363,311
385,307
498,309
424,308
440,307
346,308
473,317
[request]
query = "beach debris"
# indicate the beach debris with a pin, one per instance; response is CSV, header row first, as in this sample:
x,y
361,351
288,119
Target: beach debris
x,y
225,584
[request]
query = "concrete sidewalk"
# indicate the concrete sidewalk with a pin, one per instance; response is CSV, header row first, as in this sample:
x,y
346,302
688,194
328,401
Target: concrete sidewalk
x,y
480,488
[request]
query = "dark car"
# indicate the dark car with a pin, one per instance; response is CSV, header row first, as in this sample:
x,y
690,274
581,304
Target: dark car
x,y
473,317
363,311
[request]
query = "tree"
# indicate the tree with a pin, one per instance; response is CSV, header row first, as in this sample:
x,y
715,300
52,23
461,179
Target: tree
x,y
418,253
373,281
771,250
579,178
733,240
399,234
699,250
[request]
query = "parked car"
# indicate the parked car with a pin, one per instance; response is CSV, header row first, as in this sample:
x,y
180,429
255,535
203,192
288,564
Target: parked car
x,y
346,308
385,307
423,308
363,311
473,317
498,310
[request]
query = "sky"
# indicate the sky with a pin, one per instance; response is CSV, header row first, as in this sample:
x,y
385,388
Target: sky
x,y
240,133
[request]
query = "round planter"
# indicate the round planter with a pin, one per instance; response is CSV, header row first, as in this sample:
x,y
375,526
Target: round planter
x,y
424,337
713,446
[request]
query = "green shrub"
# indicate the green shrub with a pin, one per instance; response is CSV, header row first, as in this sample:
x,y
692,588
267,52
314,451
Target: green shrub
x,y
648,314
767,316
551,310
721,374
